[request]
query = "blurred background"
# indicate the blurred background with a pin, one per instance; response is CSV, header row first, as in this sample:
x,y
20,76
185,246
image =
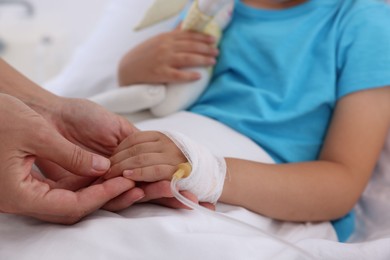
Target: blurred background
x,y
38,36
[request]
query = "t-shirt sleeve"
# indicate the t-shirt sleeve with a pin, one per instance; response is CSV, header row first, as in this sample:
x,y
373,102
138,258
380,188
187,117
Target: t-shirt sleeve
x,y
363,56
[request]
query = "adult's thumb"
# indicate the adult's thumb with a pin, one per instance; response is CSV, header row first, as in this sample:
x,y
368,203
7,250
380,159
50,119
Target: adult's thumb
x,y
71,157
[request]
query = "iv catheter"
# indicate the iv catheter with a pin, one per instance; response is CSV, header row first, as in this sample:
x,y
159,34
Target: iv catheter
x,y
184,170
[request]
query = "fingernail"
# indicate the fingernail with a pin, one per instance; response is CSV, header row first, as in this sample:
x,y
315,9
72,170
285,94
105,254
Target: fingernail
x,y
139,198
100,163
128,173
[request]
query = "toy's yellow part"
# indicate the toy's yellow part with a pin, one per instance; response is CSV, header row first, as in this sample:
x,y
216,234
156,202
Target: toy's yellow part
x,y
159,11
213,29
196,20
183,171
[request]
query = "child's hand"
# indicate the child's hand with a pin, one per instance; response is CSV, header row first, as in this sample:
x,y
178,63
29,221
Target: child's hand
x,y
148,156
160,59
151,158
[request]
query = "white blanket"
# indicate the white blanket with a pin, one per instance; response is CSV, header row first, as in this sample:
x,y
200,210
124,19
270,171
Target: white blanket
x,y
154,232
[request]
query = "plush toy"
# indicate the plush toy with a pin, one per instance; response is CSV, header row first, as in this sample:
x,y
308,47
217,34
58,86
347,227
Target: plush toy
x,y
207,16
210,17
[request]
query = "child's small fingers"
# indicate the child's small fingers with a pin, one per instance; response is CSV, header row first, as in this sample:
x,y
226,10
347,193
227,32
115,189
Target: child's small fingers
x,y
196,47
146,160
141,161
177,75
194,36
151,174
185,60
149,147
138,138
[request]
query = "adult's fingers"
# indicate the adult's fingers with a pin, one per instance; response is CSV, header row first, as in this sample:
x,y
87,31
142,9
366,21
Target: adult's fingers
x,y
156,190
125,200
126,128
66,207
54,147
59,178
50,169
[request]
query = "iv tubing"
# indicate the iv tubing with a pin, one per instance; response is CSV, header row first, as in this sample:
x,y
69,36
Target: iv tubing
x,y
183,172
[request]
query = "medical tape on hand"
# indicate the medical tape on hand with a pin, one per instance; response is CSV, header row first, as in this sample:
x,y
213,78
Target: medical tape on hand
x,y
208,173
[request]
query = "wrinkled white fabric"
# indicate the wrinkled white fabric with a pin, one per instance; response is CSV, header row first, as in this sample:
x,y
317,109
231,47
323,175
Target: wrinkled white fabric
x,y
149,231
92,69
208,171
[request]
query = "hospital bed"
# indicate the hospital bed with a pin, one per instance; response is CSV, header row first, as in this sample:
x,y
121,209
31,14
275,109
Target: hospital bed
x,y
153,232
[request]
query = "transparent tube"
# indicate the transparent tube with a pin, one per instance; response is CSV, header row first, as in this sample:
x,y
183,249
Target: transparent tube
x,y
233,221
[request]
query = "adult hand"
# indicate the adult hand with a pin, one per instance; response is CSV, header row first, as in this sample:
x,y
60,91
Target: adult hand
x,y
26,135
80,121
161,59
87,124
94,128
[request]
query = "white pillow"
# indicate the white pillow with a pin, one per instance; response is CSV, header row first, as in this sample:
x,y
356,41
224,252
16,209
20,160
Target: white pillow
x,y
93,67
92,72
373,210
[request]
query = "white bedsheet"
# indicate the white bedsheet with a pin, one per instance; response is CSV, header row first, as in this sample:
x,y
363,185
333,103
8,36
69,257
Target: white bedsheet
x,y
153,232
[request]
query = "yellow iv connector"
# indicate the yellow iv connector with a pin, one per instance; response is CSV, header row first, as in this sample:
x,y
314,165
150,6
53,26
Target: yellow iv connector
x,y
183,171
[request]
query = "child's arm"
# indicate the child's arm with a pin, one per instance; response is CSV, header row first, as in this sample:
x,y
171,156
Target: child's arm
x,y
313,191
160,59
325,189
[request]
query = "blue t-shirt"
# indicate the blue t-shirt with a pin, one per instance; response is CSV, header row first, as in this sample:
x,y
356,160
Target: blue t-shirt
x,y
281,72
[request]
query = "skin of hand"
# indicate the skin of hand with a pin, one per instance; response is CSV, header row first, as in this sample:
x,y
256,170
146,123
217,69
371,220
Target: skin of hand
x,y
26,135
94,128
274,4
60,178
160,60
150,158
80,121
90,125
147,156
